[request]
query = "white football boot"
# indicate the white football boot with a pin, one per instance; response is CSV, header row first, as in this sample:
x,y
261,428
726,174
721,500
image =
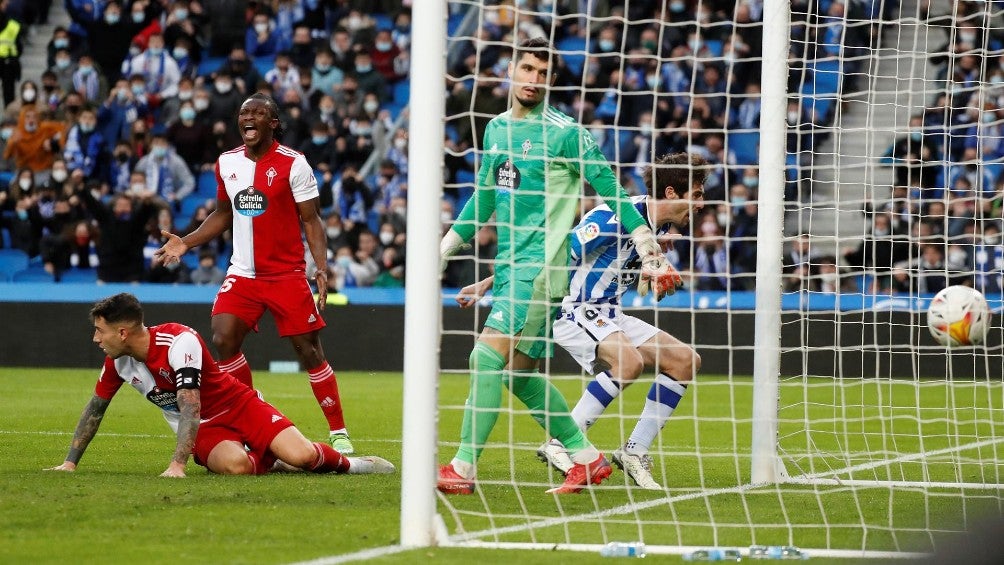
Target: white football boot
x,y
554,454
369,465
638,467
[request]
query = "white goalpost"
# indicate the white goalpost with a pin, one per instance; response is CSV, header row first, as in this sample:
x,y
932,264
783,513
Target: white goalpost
x,y
858,147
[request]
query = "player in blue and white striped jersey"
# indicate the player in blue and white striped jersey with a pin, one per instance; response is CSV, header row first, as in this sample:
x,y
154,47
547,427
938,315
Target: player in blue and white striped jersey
x,y
610,344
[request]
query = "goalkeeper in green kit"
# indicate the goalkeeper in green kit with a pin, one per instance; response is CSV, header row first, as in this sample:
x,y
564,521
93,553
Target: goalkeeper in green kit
x,y
535,161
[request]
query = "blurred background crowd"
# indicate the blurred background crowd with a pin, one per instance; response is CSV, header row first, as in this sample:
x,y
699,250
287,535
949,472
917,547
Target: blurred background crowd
x,y
114,138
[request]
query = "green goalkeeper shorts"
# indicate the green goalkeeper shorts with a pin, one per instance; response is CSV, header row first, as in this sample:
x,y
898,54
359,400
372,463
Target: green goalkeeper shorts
x,y
519,310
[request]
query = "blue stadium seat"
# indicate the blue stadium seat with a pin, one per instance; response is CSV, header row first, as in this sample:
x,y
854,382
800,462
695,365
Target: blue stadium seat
x,y
4,238
453,22
826,75
188,206
12,261
402,92
383,21
264,64
32,274
714,46
744,147
88,276
209,65
205,186
573,52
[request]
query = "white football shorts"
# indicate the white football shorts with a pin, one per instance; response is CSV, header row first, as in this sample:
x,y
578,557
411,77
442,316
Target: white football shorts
x,y
580,330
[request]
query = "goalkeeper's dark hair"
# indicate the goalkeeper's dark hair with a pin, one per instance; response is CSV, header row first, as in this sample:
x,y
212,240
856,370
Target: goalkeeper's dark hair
x,y
539,47
677,170
122,307
273,108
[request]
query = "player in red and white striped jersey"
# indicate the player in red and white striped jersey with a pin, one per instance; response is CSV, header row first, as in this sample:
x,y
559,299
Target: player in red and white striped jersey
x,y
265,191
223,423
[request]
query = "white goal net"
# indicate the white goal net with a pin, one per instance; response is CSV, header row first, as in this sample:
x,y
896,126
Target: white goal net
x,y
884,172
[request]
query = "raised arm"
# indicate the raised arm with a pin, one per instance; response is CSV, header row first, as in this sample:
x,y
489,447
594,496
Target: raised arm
x,y
87,427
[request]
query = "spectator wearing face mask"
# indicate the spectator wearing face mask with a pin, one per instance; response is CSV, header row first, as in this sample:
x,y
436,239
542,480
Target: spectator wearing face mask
x,y
208,272
167,174
64,68
119,111
62,39
325,76
320,149
51,93
384,56
34,143
389,184
190,139
157,67
73,246
87,81
237,65
182,27
283,77
112,34
168,110
121,167
20,216
28,97
261,39
224,102
86,147
123,234
369,79
6,132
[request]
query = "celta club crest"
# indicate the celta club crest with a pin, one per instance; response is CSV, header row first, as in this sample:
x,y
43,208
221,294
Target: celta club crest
x,y
526,147
270,173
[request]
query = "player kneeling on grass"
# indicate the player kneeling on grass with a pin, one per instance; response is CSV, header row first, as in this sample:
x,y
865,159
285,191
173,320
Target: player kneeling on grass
x,y
610,344
224,423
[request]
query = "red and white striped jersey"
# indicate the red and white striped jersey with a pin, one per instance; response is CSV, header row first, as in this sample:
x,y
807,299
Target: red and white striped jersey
x,y
172,347
266,223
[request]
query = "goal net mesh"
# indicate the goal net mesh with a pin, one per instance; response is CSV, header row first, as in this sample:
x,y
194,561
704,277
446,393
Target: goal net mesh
x,y
893,161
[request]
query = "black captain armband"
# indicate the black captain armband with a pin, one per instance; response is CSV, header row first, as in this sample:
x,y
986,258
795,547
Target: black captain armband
x,y
188,377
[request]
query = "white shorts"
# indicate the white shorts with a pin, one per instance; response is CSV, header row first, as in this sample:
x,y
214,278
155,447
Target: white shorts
x,y
580,330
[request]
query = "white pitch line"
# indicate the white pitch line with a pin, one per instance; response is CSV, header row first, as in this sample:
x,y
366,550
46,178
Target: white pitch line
x,y
472,539
901,459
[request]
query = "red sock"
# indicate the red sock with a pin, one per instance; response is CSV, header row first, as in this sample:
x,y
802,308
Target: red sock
x,y
329,460
261,465
325,387
239,368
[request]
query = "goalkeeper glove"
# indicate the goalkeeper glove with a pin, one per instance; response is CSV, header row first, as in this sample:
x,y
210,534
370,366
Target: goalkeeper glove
x,y
449,246
653,261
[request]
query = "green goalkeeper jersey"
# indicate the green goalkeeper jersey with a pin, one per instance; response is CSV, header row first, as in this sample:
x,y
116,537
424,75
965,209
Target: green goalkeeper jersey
x,y
531,177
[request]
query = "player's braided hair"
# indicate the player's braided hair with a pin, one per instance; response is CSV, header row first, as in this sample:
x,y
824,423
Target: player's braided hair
x,y
677,170
122,307
280,130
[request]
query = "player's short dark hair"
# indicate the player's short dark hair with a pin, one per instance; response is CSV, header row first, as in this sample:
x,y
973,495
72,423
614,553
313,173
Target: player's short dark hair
x,y
122,307
677,170
539,47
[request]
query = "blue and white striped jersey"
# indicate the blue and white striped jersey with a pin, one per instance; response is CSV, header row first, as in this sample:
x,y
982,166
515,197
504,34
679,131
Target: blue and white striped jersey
x,y
604,263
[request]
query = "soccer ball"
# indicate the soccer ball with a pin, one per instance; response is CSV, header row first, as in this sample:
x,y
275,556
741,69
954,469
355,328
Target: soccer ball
x,y
958,315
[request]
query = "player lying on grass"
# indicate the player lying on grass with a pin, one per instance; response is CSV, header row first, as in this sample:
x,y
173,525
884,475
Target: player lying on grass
x,y
223,423
610,344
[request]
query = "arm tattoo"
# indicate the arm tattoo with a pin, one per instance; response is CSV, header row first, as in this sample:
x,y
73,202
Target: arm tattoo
x,y
190,405
90,419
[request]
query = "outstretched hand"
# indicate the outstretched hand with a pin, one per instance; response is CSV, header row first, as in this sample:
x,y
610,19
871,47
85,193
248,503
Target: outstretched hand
x,y
171,251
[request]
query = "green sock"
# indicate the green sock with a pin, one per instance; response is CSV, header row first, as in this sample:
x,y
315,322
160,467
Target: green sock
x,y
483,402
549,408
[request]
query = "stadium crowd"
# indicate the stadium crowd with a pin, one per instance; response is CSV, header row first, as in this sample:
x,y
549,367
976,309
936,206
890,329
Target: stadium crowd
x,y
116,140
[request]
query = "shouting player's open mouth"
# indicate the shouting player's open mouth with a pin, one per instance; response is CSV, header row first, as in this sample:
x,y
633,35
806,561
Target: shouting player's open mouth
x,y
250,131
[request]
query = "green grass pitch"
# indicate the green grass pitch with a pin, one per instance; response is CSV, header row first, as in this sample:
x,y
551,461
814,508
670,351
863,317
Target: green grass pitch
x,y
115,509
